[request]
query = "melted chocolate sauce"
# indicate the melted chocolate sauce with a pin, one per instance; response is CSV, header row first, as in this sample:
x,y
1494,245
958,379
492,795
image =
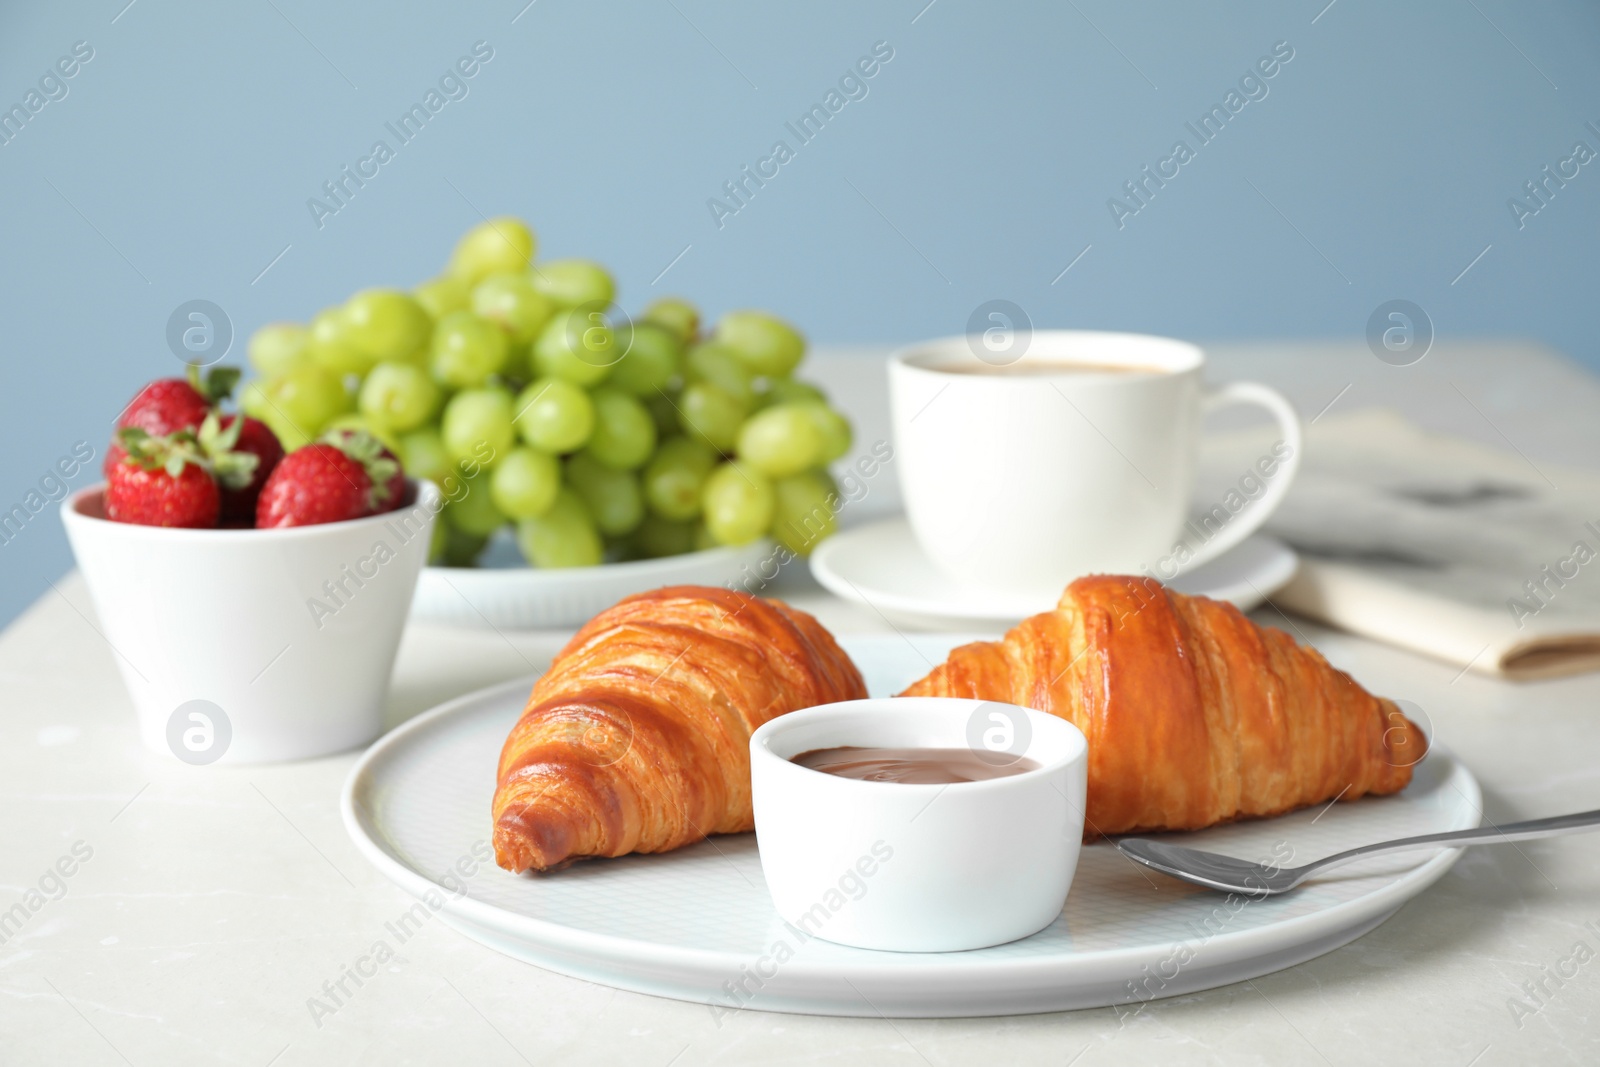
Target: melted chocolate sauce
x,y
913,766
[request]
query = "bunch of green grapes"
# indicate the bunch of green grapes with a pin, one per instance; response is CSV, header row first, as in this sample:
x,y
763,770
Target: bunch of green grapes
x,y
531,401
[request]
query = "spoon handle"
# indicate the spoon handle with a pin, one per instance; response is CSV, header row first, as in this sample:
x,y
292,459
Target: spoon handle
x,y
1483,835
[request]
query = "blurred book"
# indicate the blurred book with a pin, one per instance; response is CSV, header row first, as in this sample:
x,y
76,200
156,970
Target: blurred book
x,y
1437,544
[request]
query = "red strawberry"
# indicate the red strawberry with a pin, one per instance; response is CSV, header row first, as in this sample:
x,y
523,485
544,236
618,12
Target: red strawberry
x,y
168,405
160,408
346,475
389,477
314,484
153,496
382,467
239,505
165,406
172,480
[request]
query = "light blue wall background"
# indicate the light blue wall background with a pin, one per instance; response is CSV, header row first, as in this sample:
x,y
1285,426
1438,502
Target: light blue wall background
x,y
180,162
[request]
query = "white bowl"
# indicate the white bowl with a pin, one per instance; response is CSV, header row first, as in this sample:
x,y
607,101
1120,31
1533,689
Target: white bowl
x,y
254,646
919,868
515,596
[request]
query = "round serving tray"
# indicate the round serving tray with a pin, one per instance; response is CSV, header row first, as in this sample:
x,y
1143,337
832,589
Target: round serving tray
x,y
697,924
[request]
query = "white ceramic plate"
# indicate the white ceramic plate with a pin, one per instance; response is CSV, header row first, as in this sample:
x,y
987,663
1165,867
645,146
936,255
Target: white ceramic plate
x,y
881,565
698,925
506,593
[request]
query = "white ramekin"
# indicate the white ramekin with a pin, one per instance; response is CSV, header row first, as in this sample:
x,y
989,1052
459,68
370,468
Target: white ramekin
x,y
919,868
280,641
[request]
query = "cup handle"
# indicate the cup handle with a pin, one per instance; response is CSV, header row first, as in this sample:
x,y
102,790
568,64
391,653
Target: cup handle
x,y
1250,521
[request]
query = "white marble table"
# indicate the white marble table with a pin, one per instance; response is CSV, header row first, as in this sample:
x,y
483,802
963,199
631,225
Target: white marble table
x,y
205,906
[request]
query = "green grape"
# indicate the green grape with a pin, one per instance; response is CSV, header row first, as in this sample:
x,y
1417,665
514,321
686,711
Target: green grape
x,y
780,441
467,350
511,300
385,323
554,415
420,357
422,454
805,513
766,344
711,414
477,426
570,282
651,354
835,430
398,396
525,482
452,547
253,400
677,315
279,347
708,362
289,435
657,537
355,421
664,410
453,483
518,366
621,549
612,497
790,391
442,295
438,541
738,502
330,345
624,433
498,244
564,536
576,345
299,404
472,509
675,476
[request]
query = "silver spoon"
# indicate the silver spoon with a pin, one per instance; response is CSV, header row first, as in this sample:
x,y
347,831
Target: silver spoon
x,y
1216,871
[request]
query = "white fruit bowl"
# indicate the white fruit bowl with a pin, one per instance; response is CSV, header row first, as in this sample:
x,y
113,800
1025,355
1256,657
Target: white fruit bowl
x,y
254,646
507,594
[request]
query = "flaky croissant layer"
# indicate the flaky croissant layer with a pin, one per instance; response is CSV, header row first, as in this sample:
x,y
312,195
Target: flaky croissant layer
x,y
1194,714
637,739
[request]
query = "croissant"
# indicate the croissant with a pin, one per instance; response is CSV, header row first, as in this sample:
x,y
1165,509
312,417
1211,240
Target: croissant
x,y
1194,714
637,739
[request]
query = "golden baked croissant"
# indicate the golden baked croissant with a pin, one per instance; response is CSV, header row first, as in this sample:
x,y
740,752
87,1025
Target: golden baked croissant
x,y
637,739
1194,714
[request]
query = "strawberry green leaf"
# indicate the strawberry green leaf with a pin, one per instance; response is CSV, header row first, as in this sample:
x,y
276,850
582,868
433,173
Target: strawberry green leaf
x,y
233,469
368,451
219,384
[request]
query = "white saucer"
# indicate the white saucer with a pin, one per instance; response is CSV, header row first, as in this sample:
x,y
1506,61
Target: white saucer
x,y
697,924
881,565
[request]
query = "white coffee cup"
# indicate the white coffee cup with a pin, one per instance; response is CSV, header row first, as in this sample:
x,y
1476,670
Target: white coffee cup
x,y
1073,454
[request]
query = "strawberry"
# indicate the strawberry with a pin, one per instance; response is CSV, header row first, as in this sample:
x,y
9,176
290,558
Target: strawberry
x,y
239,505
172,480
168,405
347,474
165,406
389,477
154,496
